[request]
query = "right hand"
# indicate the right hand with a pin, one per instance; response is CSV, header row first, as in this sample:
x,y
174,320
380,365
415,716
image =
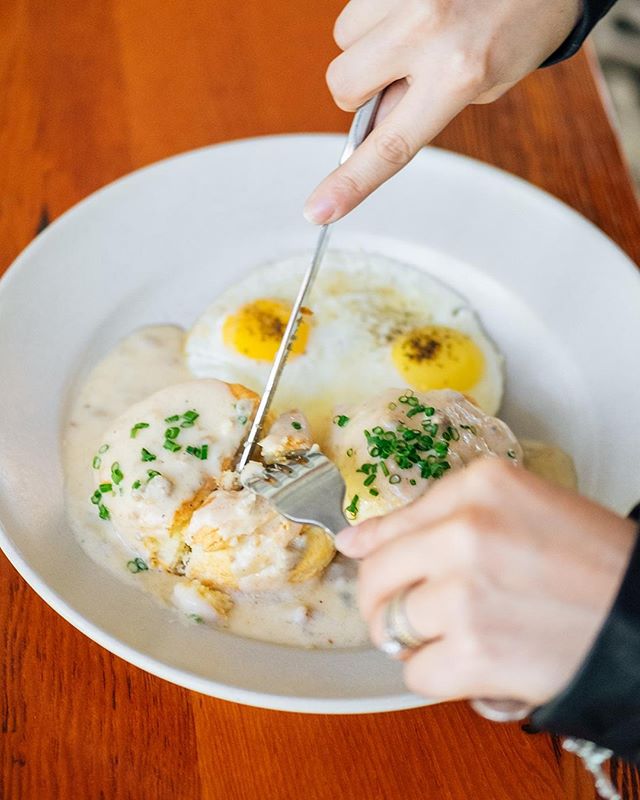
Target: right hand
x,y
437,56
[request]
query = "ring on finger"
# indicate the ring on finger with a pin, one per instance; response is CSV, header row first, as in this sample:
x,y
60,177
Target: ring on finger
x,y
399,637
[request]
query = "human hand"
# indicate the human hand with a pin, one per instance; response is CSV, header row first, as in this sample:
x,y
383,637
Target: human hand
x,y
437,56
511,577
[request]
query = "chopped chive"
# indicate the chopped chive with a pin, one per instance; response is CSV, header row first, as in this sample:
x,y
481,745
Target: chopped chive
x,y
105,487
455,434
374,492
341,420
116,473
352,508
103,512
151,474
242,420
136,484
171,433
103,448
137,565
368,481
296,425
173,418
196,618
199,452
188,418
97,461
138,427
391,406
417,409
350,452
511,453
395,479
403,399
385,469
171,446
412,482
146,455
96,497
429,411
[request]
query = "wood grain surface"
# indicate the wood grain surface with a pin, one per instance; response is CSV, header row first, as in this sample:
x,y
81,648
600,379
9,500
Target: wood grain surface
x,y
89,90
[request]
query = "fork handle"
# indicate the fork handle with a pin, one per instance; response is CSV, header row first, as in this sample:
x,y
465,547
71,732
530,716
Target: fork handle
x,y
332,520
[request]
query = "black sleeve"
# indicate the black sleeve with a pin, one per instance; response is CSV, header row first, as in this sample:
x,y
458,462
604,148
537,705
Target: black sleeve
x,y
593,11
602,703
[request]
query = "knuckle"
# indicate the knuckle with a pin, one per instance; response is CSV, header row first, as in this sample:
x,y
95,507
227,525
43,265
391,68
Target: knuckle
x,y
423,20
469,70
458,598
494,474
433,14
464,540
349,185
474,522
467,633
393,147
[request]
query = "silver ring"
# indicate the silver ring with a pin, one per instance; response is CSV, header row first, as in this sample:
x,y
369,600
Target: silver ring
x,y
399,636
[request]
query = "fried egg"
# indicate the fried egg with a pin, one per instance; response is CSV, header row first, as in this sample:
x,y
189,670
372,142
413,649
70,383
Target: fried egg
x,y
391,448
372,323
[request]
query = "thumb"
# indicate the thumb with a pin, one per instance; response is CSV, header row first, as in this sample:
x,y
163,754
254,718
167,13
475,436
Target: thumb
x,y
388,148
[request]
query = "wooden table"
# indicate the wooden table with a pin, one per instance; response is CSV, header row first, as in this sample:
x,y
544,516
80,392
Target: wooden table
x,y
90,90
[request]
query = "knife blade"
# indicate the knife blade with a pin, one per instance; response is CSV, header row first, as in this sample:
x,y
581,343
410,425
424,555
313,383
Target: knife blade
x,y
361,126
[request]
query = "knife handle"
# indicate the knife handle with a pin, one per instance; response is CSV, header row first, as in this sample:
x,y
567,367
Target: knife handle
x,y
361,126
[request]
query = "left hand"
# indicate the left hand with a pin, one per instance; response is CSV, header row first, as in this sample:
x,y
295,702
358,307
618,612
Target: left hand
x,y
509,576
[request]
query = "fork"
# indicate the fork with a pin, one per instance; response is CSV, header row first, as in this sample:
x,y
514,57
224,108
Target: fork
x,y
305,487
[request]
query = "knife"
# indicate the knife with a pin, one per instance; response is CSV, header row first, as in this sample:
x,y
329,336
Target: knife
x,y
361,127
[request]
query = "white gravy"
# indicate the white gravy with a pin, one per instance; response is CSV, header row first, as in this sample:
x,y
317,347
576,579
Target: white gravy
x,y
319,613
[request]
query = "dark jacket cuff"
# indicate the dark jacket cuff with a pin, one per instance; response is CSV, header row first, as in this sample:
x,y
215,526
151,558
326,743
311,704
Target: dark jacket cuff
x,y
593,11
602,703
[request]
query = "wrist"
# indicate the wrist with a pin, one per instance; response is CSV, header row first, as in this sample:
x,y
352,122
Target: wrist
x,y
602,701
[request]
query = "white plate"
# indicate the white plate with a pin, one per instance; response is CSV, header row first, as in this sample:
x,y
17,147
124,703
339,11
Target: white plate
x,y
559,298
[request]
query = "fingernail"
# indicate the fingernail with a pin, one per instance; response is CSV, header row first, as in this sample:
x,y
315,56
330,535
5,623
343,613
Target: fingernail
x,y
345,538
319,211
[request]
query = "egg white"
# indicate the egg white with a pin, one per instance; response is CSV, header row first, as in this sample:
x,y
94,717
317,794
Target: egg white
x,y
361,303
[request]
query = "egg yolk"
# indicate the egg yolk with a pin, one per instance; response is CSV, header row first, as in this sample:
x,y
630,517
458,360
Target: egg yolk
x,y
256,329
436,357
